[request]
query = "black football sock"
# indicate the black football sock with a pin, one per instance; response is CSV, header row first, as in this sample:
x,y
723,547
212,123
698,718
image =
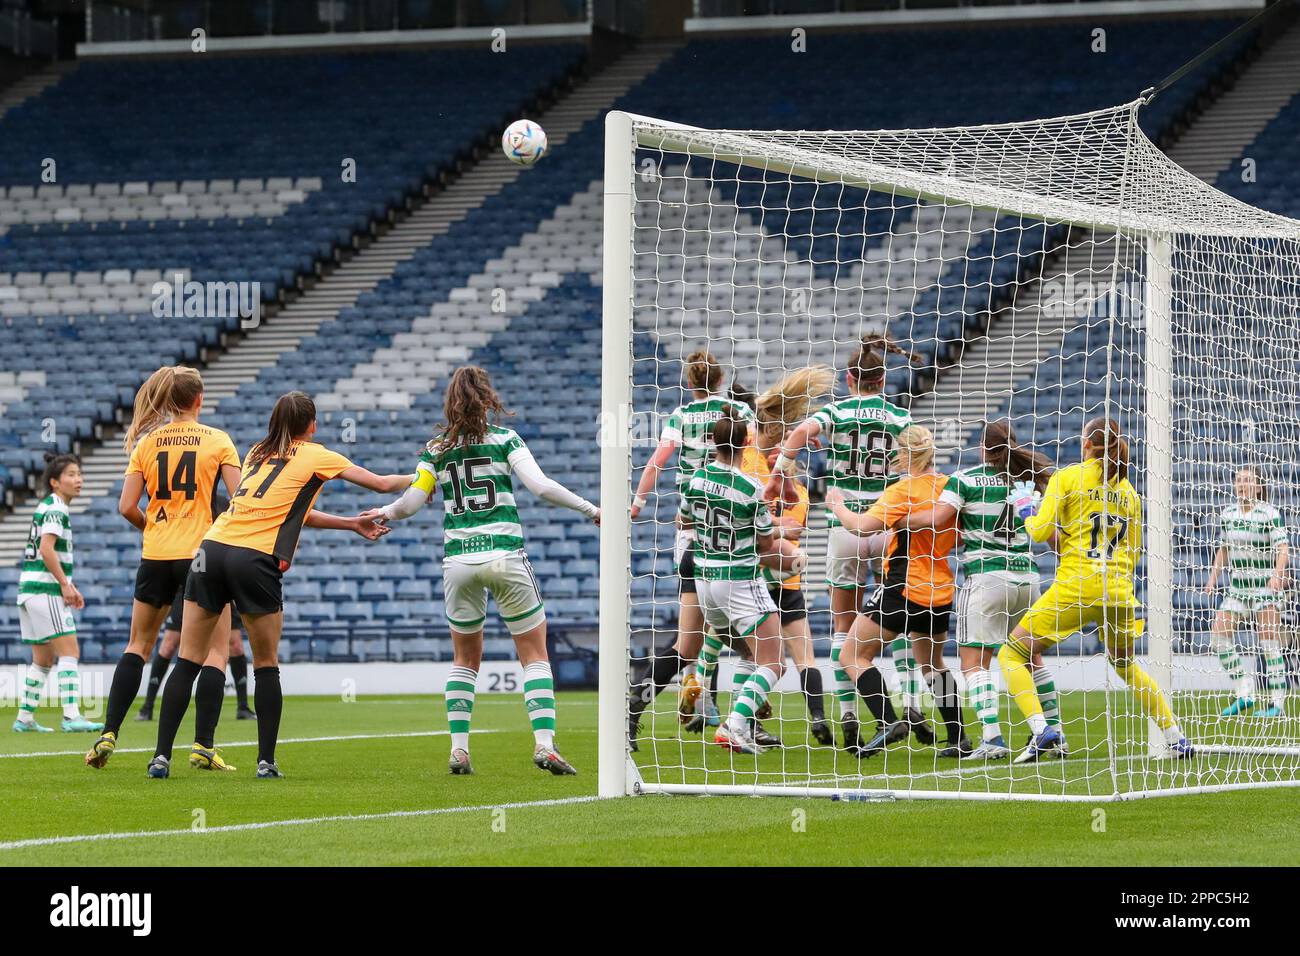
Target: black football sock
x,y
208,694
270,703
871,687
663,668
125,685
239,674
810,680
944,687
175,701
157,671
639,676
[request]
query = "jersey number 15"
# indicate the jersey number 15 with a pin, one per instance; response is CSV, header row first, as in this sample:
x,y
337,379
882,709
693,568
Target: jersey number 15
x,y
470,491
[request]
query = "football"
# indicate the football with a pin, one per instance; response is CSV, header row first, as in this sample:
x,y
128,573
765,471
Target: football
x,y
524,142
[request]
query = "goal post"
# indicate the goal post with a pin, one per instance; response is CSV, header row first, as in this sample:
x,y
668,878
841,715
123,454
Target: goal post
x,y
1045,273
615,454
1158,290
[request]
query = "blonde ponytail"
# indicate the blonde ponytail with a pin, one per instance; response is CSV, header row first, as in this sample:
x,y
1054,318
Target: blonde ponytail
x,y
917,442
166,393
790,401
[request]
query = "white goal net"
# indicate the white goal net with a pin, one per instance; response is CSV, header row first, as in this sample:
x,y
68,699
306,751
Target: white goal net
x,y
1043,274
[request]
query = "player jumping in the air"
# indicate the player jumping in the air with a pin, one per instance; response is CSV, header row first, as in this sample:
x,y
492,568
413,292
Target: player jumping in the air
x,y
473,461
778,410
1098,516
860,433
914,599
178,463
732,526
1253,546
689,429
1001,576
241,560
47,597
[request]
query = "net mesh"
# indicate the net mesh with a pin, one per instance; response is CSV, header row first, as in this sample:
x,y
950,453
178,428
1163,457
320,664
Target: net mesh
x,y
1045,273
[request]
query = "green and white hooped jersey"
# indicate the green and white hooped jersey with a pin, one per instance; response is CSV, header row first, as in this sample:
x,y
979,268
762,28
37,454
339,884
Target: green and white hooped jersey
x,y
1252,539
860,434
479,518
727,510
51,517
993,536
691,426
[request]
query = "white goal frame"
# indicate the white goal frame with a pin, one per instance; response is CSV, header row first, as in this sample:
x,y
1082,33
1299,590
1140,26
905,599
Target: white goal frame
x,y
618,774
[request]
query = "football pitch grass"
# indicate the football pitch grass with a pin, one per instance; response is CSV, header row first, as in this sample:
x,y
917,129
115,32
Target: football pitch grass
x,y
366,783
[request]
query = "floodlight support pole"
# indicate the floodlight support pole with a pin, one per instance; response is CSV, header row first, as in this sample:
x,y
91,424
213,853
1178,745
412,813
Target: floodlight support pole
x,y
1159,448
616,454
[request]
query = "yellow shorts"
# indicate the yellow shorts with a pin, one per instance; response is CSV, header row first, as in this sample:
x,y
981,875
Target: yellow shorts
x,y
1061,612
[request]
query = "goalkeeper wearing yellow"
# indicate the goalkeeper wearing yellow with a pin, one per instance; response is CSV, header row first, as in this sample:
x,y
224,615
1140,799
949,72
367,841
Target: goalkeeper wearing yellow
x,y
1098,516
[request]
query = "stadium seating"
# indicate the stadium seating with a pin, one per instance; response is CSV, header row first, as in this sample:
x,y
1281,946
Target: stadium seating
x,y
271,204
246,184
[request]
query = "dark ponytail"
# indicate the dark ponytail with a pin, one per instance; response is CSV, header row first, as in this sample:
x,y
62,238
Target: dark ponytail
x,y
55,465
730,435
1015,462
868,365
703,372
1109,446
468,407
292,416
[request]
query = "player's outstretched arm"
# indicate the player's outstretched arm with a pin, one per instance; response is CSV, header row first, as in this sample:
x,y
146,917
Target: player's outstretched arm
x,y
386,484
368,528
548,489
650,477
931,518
128,504
1041,524
864,523
786,462
230,477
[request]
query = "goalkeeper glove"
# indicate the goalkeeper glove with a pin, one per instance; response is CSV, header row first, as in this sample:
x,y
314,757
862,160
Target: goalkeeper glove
x,y
1024,497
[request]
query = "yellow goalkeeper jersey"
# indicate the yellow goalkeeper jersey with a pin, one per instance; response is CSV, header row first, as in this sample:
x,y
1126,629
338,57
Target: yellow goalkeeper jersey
x,y
1100,526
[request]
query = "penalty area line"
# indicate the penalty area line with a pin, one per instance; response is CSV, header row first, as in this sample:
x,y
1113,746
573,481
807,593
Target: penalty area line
x,y
253,743
298,822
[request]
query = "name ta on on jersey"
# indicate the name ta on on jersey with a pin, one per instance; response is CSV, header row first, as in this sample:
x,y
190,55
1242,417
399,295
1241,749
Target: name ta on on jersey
x,y
1111,497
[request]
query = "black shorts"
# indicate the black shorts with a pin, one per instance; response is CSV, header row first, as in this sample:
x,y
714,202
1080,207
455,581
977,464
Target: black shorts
x,y
157,582
686,572
224,574
176,619
893,612
789,602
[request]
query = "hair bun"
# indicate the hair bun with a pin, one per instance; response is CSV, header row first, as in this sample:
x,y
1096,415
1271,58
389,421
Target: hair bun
x,y
50,456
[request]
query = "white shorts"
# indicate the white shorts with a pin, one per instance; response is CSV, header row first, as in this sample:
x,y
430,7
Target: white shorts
x,y
850,557
1246,603
509,578
735,606
991,605
43,617
680,544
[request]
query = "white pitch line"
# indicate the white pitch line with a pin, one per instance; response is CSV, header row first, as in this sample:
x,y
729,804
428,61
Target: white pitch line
x,y
298,822
253,743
